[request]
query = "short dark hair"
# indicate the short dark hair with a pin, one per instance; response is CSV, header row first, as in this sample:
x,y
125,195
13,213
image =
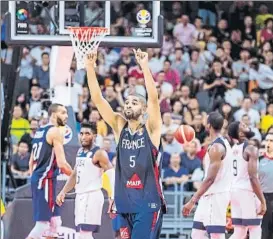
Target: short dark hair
x,y
90,125
216,120
36,85
233,130
53,108
45,53
23,142
256,91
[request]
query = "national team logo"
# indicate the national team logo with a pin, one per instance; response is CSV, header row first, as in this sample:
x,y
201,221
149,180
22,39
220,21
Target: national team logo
x,y
124,233
143,18
22,14
134,182
68,134
140,131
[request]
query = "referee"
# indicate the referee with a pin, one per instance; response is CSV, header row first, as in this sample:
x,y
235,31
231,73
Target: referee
x,y
266,179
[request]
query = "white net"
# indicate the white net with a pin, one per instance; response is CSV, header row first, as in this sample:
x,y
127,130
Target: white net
x,y
85,40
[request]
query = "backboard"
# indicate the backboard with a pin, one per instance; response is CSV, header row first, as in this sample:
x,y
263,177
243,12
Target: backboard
x,y
131,23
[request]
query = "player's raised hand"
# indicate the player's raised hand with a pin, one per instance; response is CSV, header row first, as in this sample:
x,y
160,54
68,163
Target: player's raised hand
x,y
91,59
262,210
60,198
188,208
141,57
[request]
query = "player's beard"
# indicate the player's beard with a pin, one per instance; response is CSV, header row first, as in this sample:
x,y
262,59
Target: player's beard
x,y
60,122
132,115
249,134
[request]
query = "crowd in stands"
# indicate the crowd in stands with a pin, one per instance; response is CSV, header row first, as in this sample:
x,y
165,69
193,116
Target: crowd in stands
x,y
212,61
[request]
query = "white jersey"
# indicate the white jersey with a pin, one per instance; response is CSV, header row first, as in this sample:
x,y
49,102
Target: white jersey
x,y
240,168
223,180
89,175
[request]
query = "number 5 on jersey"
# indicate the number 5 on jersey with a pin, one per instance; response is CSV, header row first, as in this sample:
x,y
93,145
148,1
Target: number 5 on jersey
x,y
132,161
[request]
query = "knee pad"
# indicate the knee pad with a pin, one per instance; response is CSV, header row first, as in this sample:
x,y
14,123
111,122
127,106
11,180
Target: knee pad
x,y
39,229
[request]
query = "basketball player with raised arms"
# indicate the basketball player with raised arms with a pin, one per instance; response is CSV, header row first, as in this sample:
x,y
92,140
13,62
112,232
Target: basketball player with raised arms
x,y
214,192
247,200
86,178
138,196
47,158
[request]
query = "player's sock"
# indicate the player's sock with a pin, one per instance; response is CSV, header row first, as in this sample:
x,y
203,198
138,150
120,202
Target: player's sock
x,y
198,234
239,232
255,232
39,229
85,235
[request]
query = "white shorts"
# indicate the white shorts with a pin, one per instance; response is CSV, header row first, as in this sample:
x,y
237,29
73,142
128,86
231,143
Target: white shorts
x,y
244,208
211,212
88,211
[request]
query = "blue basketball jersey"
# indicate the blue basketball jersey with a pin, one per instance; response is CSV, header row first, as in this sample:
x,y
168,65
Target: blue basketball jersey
x,y
137,184
45,164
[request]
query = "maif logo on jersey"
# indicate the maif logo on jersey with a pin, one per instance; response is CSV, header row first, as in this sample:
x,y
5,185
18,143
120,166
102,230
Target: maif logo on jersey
x,y
134,182
124,233
68,134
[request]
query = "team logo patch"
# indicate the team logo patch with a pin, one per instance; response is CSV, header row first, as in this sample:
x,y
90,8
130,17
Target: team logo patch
x,y
134,182
68,134
143,17
124,233
22,14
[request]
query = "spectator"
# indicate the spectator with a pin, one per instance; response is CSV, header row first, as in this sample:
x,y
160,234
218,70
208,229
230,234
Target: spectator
x,y
199,128
193,109
93,15
35,103
262,16
198,23
208,12
226,111
125,59
266,179
156,60
79,74
189,159
246,108
267,119
179,63
19,125
175,174
108,148
171,75
217,83
41,72
112,98
170,145
168,124
221,32
19,163
246,121
185,98
26,73
267,32
240,70
185,32
258,103
37,54
28,137
249,31
177,113
95,117
121,76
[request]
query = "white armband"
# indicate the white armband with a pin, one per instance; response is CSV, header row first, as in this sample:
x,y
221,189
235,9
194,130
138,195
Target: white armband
x,y
111,175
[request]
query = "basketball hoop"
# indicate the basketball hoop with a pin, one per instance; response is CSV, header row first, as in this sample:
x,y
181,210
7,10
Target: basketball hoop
x,y
85,40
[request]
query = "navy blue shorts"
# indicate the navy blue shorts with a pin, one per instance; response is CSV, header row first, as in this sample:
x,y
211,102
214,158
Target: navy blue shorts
x,y
44,200
144,225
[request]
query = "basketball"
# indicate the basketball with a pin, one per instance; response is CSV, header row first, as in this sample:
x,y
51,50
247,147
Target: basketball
x,y
184,134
